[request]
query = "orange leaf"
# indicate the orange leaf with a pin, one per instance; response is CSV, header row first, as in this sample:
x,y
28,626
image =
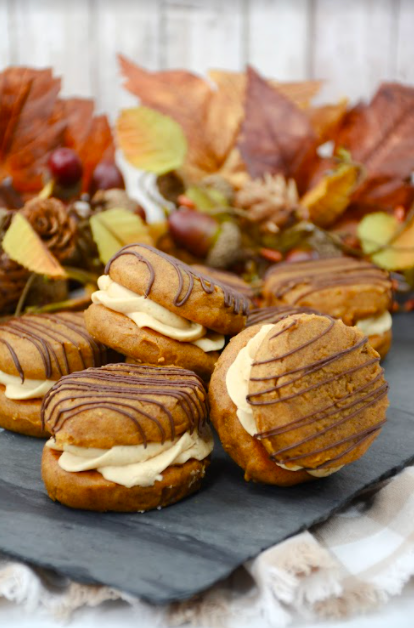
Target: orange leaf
x,y
31,125
276,136
327,119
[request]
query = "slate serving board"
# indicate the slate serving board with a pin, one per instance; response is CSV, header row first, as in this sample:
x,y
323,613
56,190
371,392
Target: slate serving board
x,y
170,555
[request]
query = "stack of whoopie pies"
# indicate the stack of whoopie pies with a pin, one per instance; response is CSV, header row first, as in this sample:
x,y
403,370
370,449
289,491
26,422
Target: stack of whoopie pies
x,y
295,395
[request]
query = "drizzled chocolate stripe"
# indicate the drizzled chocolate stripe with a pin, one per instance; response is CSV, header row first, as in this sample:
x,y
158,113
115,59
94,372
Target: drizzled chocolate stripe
x,y
322,274
45,333
275,313
232,299
124,389
359,399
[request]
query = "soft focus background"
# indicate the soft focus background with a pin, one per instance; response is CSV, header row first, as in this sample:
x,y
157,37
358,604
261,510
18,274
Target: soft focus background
x,y
353,44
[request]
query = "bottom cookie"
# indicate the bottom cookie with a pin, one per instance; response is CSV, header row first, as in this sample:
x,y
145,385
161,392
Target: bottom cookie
x,y
88,490
21,416
381,342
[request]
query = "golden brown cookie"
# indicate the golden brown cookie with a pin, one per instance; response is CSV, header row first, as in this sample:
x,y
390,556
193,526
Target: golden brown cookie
x,y
42,348
157,309
354,290
146,345
152,419
316,398
275,313
233,281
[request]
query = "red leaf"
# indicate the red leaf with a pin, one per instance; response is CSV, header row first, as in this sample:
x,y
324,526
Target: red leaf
x,y
276,136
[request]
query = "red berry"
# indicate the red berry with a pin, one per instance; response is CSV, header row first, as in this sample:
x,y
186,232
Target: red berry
x,y
107,176
194,231
65,167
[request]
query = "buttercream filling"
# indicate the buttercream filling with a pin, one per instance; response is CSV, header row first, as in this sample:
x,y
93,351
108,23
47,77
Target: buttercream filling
x,y
135,465
29,389
147,313
237,382
375,325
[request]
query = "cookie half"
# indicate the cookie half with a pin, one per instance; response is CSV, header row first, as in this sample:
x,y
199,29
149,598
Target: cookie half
x,y
298,399
126,437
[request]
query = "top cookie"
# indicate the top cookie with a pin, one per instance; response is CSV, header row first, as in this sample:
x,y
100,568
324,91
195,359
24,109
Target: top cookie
x,y
275,313
231,280
125,404
179,288
343,287
47,346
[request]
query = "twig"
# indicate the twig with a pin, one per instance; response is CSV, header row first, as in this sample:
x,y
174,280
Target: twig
x,y
23,296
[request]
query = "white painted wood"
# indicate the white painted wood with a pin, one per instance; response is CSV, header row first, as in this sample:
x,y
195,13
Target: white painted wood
x,y
203,34
353,45
405,42
54,33
5,44
130,28
278,37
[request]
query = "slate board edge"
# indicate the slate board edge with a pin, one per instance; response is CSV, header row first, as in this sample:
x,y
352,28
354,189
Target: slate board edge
x,y
390,473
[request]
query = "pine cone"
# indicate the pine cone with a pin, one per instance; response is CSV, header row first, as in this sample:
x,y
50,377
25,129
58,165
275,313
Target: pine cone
x,y
110,199
272,202
13,278
53,224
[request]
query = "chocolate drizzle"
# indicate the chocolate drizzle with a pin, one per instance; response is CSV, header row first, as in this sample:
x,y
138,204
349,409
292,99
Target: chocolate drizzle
x,y
318,275
126,389
275,313
185,274
46,332
357,400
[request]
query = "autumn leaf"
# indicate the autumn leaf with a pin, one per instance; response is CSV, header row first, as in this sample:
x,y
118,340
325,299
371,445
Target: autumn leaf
x,y
150,140
210,113
327,119
23,245
115,228
276,136
90,136
327,201
389,244
380,135
31,125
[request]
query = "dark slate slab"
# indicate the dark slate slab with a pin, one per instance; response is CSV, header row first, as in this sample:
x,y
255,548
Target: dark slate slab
x,y
177,552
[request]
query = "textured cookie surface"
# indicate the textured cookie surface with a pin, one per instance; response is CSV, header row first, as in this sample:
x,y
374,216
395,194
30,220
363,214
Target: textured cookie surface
x,y
47,346
233,281
22,417
125,404
179,288
145,345
343,287
317,393
275,313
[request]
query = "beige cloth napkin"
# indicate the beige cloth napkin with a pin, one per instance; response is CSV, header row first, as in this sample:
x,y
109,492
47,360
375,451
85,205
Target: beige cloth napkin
x,y
348,565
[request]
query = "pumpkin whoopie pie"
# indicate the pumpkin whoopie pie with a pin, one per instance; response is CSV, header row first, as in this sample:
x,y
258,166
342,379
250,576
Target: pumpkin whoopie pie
x,y
155,309
354,290
126,437
297,399
35,351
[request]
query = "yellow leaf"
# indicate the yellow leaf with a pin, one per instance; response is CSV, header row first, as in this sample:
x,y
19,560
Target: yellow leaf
x,y
150,140
113,229
390,245
23,245
327,201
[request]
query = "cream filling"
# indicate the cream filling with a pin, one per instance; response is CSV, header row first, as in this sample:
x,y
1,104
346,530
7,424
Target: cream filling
x,y
29,389
146,313
135,465
237,382
375,325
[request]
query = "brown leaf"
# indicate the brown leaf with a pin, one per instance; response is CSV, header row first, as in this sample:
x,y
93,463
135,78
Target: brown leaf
x,y
31,125
90,136
276,136
327,119
380,135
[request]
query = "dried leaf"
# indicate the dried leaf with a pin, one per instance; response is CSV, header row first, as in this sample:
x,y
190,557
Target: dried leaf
x,y
389,245
23,245
150,140
115,228
327,201
380,135
90,136
327,119
31,125
276,136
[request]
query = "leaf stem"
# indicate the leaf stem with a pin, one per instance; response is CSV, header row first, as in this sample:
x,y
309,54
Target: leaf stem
x,y
23,296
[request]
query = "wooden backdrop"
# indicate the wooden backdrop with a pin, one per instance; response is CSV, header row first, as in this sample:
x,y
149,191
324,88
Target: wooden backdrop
x,y
353,44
